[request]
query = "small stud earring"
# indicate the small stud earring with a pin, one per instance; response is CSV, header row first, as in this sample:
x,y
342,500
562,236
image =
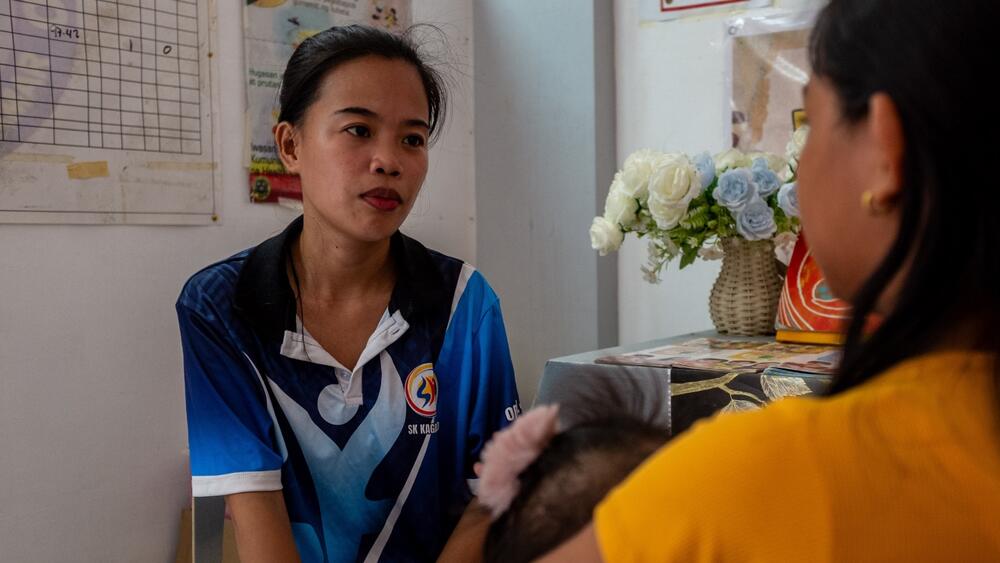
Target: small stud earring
x,y
868,204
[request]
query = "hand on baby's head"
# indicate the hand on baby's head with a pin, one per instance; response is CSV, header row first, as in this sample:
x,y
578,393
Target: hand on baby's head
x,y
542,486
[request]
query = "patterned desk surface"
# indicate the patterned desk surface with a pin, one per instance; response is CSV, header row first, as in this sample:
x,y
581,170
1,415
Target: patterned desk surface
x,y
672,397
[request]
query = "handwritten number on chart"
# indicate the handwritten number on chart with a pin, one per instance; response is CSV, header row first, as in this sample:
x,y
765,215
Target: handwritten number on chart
x,y
60,32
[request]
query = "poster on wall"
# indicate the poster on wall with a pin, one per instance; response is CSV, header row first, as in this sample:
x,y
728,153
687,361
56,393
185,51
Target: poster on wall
x,y
660,10
768,67
108,112
272,31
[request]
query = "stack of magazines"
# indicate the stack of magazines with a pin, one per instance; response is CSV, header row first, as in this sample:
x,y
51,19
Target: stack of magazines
x,y
711,354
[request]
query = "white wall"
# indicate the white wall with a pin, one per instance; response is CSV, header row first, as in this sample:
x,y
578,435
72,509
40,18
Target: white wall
x,y
670,79
93,466
444,216
544,158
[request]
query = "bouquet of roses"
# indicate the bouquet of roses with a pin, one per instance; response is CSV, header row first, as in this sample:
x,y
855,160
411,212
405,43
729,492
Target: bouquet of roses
x,y
687,206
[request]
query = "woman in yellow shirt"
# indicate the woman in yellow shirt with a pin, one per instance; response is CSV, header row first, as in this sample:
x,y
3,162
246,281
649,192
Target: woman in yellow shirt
x,y
899,198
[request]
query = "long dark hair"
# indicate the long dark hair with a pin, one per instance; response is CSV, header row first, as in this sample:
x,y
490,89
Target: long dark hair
x,y
932,59
318,55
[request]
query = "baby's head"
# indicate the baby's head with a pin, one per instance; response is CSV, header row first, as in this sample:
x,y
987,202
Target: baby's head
x,y
542,486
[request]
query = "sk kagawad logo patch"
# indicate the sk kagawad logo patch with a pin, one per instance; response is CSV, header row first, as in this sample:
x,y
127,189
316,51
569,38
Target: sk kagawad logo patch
x,y
422,390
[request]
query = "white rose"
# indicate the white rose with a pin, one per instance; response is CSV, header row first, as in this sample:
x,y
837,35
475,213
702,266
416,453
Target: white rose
x,y
793,150
617,184
605,237
667,216
674,181
634,181
800,137
635,173
733,158
641,157
620,208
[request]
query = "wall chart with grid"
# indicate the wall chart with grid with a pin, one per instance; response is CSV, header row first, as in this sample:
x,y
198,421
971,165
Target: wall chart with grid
x,y
106,111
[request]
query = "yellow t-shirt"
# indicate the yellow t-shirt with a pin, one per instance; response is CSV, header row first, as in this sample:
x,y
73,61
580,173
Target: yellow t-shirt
x,y
903,468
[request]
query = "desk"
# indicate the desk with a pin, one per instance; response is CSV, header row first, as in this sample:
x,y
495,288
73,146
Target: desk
x,y
671,398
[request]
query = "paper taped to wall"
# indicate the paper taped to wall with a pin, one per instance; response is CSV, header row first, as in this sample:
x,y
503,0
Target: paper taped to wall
x,y
90,89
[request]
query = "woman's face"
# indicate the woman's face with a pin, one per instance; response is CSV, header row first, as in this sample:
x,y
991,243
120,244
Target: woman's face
x,y
361,148
839,162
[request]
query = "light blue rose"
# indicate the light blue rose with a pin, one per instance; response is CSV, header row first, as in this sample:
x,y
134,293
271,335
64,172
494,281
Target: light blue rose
x,y
735,189
756,220
788,199
706,169
766,180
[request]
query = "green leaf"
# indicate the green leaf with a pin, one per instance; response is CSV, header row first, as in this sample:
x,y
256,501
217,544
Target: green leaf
x,y
688,258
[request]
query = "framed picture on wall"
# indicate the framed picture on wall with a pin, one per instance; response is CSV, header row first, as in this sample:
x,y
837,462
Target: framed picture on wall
x,y
658,10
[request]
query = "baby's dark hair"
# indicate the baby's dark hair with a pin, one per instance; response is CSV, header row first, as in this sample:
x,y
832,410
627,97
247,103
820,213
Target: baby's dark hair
x,y
561,488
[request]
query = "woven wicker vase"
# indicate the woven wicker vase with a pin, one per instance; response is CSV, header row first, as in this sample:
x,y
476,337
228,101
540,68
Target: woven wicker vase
x,y
744,298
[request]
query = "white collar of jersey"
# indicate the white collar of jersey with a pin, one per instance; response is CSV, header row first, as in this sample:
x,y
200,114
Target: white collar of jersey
x,y
300,345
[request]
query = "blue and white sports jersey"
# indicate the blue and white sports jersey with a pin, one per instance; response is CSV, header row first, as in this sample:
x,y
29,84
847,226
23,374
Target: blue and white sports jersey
x,y
375,464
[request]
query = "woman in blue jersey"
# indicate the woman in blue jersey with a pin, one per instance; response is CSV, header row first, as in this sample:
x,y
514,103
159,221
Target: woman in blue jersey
x,y
340,377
